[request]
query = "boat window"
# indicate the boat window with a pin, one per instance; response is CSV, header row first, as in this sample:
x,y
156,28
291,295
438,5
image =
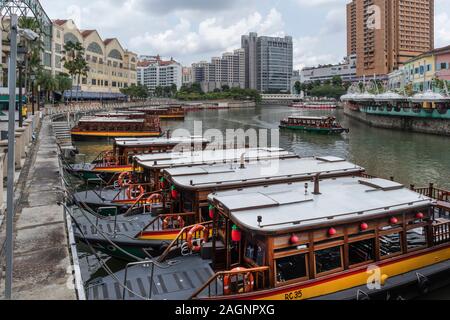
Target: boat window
x,y
361,251
290,268
416,238
390,244
254,251
328,259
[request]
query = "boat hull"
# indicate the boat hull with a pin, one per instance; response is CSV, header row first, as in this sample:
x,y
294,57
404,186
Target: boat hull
x,y
91,135
315,129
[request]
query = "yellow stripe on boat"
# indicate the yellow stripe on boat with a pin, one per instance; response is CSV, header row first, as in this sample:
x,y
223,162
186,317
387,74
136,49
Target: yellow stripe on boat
x,y
351,280
117,134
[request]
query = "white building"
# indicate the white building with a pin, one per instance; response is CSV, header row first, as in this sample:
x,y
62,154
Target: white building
x,y
346,70
153,72
226,70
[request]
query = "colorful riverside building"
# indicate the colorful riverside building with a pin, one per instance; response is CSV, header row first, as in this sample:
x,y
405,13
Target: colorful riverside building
x,y
111,67
423,69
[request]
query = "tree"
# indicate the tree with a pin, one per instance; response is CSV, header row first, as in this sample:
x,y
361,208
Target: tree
x,y
336,81
47,83
298,87
173,90
216,90
225,88
75,62
63,83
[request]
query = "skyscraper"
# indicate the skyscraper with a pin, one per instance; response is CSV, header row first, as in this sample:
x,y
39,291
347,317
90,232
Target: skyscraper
x,y
269,62
384,34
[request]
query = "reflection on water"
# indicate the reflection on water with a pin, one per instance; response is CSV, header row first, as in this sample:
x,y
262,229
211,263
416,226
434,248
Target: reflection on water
x,y
411,158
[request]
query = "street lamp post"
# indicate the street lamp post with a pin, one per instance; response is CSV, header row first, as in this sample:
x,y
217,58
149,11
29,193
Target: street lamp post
x,y
11,165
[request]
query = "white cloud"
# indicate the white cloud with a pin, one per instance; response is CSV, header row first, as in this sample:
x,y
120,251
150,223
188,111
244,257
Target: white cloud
x,y
213,35
442,29
307,52
317,3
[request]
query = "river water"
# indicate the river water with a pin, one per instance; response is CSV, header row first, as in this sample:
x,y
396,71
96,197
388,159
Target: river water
x,y
411,158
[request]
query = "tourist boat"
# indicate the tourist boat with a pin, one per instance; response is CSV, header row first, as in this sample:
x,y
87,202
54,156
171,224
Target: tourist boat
x,y
326,125
164,113
109,163
186,189
342,238
314,105
121,114
131,187
103,127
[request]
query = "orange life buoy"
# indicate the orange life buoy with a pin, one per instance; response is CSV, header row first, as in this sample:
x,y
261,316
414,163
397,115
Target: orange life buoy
x,y
132,192
248,281
125,179
153,197
167,220
190,235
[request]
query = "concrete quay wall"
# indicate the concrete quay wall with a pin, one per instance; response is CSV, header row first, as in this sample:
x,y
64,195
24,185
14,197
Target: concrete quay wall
x,y
422,125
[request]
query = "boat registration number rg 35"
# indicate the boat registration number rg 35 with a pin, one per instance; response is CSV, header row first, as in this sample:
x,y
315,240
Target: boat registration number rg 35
x,y
293,295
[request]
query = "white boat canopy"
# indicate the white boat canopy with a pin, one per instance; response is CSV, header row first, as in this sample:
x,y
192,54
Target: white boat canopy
x,y
429,96
390,96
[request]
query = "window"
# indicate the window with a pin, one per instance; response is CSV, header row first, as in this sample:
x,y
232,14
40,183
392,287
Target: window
x,y
361,251
390,244
416,238
254,251
290,268
328,259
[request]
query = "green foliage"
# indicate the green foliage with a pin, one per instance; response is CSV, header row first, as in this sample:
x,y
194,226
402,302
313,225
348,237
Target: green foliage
x,y
63,83
328,91
74,61
298,87
135,91
194,92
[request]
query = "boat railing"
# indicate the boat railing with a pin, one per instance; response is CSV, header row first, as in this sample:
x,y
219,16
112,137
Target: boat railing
x,y
433,192
182,237
143,202
237,281
157,223
441,232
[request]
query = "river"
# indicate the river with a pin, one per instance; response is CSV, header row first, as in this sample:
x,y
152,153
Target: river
x,y
411,158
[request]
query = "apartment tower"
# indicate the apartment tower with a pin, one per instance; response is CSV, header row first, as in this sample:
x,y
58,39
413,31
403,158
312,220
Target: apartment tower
x,y
384,34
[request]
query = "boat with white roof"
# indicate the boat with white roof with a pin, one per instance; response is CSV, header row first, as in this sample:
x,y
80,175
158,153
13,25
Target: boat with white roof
x,y
321,239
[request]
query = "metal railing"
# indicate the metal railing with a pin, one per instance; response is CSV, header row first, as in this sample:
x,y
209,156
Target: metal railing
x,y
182,238
238,282
157,223
433,192
441,233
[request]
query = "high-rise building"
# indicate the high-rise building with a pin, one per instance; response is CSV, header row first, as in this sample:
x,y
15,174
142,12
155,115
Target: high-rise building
x,y
187,75
269,62
154,72
227,70
384,34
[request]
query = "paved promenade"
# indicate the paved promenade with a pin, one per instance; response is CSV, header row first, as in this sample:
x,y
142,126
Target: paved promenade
x,y
42,265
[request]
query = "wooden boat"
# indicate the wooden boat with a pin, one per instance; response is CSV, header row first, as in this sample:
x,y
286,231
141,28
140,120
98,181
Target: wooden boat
x,y
104,127
132,188
184,193
164,113
121,114
326,125
109,163
344,238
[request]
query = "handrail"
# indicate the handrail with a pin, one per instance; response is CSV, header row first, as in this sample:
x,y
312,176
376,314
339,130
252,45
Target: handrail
x,y
162,217
180,237
433,192
441,233
139,200
220,276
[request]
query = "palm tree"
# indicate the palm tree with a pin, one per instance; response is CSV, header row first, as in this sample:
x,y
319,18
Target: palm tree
x,y
75,62
47,83
63,83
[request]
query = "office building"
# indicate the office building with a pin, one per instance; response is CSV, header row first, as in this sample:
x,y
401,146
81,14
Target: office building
x,y
269,62
154,72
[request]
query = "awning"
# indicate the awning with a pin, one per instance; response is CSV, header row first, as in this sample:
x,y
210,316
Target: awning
x,y
93,95
5,98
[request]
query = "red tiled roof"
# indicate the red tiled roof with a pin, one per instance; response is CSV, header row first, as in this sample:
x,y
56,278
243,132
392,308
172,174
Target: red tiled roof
x,y
108,41
86,33
59,22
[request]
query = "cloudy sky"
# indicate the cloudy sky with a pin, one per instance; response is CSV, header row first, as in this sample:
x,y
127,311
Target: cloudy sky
x,y
194,30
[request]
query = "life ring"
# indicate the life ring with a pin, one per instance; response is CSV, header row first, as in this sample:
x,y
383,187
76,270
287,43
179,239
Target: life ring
x,y
125,179
167,220
132,192
190,236
153,197
249,281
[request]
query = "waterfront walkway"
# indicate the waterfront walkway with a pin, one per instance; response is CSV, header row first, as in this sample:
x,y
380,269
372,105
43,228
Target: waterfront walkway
x,y
42,265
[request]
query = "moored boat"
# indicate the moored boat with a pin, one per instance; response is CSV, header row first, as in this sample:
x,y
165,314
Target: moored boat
x,y
327,125
343,238
104,127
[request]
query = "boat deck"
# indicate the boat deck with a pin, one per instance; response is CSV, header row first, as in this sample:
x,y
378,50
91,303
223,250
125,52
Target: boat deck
x,y
175,282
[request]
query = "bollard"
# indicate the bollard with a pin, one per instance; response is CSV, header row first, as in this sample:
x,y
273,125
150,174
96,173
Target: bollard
x,y
17,151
